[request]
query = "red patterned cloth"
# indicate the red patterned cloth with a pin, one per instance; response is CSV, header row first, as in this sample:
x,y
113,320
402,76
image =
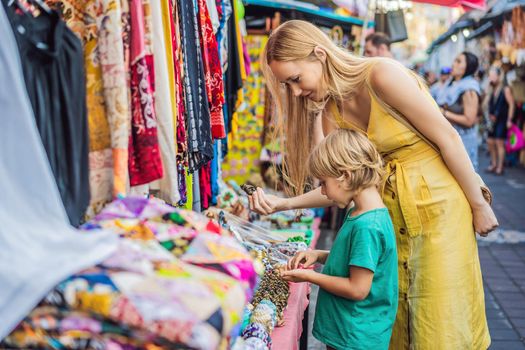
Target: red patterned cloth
x,y
205,185
213,71
145,164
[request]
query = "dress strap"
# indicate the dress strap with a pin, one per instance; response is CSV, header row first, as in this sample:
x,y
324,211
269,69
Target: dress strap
x,y
340,121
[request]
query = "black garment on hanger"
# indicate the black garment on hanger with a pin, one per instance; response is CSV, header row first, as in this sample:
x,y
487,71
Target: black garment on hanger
x,y
53,65
198,125
233,73
232,80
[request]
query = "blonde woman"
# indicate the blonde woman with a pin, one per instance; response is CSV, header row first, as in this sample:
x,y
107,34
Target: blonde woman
x,y
433,197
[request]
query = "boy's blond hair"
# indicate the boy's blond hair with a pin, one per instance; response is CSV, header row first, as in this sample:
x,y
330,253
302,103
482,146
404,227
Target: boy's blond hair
x,y
347,155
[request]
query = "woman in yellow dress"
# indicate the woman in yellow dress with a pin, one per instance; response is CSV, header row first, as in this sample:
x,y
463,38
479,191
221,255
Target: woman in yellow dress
x,y
433,196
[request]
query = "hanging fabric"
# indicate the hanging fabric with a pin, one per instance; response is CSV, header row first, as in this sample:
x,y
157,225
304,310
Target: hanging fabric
x,y
224,10
200,147
145,164
212,70
196,192
205,186
182,149
52,63
39,247
214,15
214,172
233,72
99,25
169,187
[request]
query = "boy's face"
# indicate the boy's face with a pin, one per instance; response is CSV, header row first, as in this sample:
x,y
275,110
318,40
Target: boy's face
x,y
335,190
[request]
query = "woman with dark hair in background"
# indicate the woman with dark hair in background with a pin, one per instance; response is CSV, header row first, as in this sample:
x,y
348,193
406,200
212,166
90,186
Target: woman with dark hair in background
x,y
459,102
501,109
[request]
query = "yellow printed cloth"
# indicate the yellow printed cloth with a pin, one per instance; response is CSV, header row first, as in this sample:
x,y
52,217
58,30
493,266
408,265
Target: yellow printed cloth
x,y
98,23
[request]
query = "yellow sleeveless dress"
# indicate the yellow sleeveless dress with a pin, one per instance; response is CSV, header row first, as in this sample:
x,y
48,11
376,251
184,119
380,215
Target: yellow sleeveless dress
x,y
441,298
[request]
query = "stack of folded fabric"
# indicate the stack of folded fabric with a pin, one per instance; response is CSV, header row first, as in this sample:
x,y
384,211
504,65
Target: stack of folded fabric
x,y
176,281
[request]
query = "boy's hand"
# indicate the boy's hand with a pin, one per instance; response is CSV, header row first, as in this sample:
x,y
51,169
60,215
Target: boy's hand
x,y
307,259
297,275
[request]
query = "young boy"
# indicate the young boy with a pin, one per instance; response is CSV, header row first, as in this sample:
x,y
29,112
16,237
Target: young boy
x,y
357,301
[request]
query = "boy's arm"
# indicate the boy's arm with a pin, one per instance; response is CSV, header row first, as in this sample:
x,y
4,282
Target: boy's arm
x,y
355,287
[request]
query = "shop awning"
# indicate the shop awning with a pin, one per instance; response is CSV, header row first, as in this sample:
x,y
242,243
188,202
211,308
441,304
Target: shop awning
x,y
467,20
481,30
309,10
500,8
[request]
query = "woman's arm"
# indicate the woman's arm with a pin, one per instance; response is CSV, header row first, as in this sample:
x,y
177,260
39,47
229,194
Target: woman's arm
x,y
266,204
512,105
470,111
400,90
312,199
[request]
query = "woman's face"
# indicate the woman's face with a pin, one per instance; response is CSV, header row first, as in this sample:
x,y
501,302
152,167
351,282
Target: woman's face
x,y
493,77
302,77
459,66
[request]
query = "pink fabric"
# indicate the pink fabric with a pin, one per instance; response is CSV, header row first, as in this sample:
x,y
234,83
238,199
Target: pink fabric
x,y
287,336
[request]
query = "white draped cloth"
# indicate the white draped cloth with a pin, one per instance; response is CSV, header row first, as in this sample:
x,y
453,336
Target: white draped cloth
x,y
38,247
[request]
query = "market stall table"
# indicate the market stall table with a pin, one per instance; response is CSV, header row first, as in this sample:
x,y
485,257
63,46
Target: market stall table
x,y
287,337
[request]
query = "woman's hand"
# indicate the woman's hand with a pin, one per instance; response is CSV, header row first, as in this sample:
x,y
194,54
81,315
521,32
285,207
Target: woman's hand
x,y
484,219
266,204
306,259
298,275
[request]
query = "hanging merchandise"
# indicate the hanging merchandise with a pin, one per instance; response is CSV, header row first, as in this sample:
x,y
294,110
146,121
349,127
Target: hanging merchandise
x,y
196,192
52,62
145,164
390,22
518,23
205,186
99,25
224,10
245,145
39,246
200,147
182,154
169,184
357,8
157,77
234,76
212,70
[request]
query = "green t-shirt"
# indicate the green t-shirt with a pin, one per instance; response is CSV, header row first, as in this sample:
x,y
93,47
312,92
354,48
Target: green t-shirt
x,y
366,240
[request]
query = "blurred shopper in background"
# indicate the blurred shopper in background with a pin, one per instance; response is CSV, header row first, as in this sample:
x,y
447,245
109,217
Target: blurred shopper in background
x,y
439,86
377,45
459,102
501,109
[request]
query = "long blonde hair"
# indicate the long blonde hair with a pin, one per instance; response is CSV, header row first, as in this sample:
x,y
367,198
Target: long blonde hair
x,y
343,75
348,156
